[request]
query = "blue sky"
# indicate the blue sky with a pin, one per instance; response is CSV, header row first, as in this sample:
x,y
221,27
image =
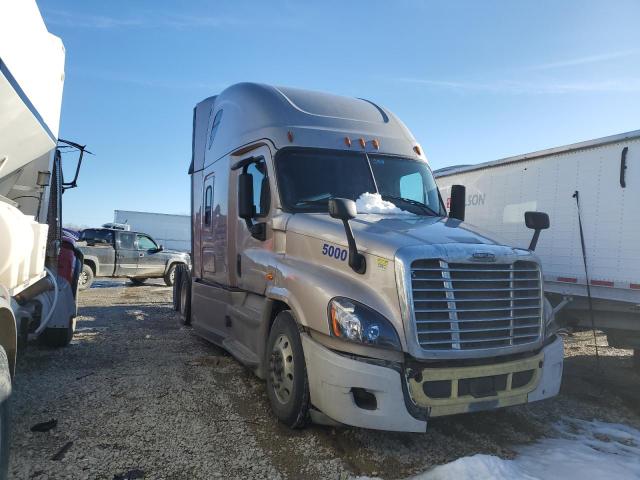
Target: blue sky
x,y
474,81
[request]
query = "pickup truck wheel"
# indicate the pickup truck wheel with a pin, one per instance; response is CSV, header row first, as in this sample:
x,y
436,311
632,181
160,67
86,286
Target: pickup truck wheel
x,y
170,276
5,378
138,281
85,279
287,382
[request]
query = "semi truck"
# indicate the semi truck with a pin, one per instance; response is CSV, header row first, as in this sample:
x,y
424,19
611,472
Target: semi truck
x,y
592,190
39,266
325,261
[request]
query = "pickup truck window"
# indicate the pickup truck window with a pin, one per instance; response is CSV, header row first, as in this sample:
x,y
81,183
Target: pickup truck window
x,y
145,243
309,178
126,241
97,236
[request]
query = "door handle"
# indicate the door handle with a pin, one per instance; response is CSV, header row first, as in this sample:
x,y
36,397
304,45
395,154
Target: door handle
x,y
623,167
141,254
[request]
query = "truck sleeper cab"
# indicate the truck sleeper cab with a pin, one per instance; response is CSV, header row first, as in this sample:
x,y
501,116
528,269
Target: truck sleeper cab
x,y
324,260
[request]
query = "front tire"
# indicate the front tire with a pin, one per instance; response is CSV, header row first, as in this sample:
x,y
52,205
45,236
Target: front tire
x,y
86,277
4,417
287,381
184,293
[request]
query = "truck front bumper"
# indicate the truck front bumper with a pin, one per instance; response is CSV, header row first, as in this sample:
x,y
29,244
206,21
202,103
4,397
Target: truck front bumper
x,y
406,398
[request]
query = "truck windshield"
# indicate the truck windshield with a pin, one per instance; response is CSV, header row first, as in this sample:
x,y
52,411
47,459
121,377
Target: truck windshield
x,y
307,179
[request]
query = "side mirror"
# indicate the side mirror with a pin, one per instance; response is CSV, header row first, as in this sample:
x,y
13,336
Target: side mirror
x,y
536,221
345,210
245,196
458,200
342,208
160,248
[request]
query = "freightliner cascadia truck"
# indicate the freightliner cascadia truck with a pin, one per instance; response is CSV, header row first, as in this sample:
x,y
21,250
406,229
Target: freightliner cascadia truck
x,y
325,261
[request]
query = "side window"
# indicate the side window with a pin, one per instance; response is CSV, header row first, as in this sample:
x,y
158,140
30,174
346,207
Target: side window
x,y
214,127
208,201
126,240
411,187
261,191
145,243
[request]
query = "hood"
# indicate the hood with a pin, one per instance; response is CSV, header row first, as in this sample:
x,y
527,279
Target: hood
x,y
383,235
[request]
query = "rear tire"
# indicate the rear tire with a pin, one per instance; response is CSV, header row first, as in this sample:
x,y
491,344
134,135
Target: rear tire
x,y
287,381
86,277
177,286
138,281
169,277
57,337
184,295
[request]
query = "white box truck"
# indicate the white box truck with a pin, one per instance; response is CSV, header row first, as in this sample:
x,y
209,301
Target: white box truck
x,y
606,174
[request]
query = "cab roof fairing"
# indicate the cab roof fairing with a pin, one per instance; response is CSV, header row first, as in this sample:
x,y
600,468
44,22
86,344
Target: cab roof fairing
x,y
253,112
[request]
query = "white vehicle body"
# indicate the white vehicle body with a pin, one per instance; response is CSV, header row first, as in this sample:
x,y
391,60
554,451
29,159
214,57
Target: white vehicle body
x,y
606,173
171,231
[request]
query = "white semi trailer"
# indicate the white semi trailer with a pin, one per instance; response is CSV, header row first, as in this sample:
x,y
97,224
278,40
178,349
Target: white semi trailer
x,y
605,173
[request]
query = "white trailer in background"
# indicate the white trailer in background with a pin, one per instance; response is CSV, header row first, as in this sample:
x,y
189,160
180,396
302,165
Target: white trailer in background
x,y
171,231
606,173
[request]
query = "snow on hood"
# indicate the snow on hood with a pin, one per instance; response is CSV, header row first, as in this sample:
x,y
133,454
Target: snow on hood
x,y
373,203
583,450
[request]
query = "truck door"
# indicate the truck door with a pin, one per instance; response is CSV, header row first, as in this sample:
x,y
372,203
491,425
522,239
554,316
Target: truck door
x,y
151,260
126,254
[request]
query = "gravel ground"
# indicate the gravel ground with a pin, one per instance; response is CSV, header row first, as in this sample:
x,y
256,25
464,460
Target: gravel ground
x,y
138,396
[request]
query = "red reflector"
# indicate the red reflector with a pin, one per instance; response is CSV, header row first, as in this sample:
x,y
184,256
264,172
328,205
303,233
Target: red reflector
x,y
635,286
602,283
568,279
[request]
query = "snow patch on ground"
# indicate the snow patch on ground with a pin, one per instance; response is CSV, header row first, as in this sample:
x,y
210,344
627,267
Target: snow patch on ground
x,y
373,203
583,450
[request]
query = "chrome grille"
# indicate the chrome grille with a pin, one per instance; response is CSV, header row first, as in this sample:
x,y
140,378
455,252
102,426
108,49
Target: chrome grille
x,y
472,306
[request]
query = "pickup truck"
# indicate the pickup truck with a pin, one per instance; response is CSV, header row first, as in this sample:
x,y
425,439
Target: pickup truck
x,y
117,253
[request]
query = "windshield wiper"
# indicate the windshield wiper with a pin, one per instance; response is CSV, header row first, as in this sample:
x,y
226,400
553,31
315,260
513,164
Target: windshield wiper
x,y
415,203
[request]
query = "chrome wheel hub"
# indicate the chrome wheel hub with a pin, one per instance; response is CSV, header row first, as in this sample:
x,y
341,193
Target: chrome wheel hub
x,y
281,368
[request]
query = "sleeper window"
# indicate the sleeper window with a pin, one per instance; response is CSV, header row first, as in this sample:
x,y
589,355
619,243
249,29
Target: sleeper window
x,y
208,199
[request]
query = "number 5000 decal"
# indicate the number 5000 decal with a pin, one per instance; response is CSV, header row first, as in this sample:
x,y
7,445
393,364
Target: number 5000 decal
x,y
335,252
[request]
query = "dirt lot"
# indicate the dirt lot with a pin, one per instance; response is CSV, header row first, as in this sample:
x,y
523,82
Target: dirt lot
x,y
138,396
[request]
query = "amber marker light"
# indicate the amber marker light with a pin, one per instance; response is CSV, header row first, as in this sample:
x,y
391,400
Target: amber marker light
x,y
269,276
334,322
375,143
347,142
362,142
417,149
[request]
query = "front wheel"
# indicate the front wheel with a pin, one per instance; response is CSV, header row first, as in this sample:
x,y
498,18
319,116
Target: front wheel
x,y
4,415
287,382
86,277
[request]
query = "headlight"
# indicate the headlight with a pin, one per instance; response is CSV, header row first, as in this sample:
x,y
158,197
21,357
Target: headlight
x,y
352,321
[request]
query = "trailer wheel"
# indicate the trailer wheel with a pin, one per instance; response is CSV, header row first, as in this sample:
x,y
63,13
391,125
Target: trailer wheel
x,y
287,381
86,277
138,281
5,378
184,294
170,276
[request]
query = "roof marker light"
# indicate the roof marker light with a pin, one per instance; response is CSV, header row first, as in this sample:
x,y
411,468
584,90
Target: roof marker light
x,y
417,149
290,136
347,142
375,143
362,142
